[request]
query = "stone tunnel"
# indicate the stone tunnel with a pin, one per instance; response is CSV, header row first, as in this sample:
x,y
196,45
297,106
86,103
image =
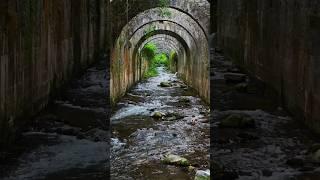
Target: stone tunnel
x,y
46,45
185,26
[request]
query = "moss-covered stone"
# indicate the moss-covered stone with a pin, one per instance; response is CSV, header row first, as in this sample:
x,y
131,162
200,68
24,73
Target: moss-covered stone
x,y
165,84
175,160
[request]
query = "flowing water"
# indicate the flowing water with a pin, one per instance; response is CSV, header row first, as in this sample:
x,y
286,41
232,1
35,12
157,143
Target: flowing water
x,y
139,141
70,139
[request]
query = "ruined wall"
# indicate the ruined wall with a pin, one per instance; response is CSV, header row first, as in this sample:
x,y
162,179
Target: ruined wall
x,y
277,41
44,43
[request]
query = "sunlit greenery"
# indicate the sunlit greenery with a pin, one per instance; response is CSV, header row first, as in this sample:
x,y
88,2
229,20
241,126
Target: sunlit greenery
x,y
149,51
155,58
161,59
149,29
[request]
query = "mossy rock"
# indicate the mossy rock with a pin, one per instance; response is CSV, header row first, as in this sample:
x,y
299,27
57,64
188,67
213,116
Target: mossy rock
x,y
157,115
237,121
165,84
173,116
175,160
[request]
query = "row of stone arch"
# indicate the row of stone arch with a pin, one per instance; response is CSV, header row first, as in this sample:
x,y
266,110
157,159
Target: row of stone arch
x,y
184,29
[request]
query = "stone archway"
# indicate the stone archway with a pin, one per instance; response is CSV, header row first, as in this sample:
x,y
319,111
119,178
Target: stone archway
x,y
185,30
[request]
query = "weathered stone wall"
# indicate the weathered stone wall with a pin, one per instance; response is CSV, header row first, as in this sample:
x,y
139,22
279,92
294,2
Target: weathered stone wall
x,y
193,68
277,41
44,43
197,9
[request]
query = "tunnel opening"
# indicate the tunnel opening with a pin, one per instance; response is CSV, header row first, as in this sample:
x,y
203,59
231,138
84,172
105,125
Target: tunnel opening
x,y
192,66
161,79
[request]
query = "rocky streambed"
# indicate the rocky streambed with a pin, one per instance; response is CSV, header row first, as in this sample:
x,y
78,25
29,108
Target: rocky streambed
x,y
68,140
160,130
252,136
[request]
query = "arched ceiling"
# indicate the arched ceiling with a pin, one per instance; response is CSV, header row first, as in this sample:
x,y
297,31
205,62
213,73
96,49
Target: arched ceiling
x,y
182,26
165,43
151,22
198,10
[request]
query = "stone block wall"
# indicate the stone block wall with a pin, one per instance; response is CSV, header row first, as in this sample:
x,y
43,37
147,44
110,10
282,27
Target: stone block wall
x,y
278,42
43,43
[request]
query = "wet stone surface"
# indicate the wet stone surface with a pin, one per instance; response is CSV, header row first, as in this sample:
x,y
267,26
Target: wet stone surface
x,y
274,146
68,140
154,121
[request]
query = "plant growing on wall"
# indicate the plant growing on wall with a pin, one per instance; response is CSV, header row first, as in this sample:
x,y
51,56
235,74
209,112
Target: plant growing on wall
x,y
149,29
164,10
149,51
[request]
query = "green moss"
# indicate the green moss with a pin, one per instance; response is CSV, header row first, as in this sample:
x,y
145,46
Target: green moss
x,y
164,3
155,58
149,51
161,59
150,29
165,12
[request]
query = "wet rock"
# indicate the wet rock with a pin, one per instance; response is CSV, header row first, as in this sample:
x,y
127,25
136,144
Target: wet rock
x,y
237,121
248,136
221,173
152,110
234,70
157,115
68,130
81,136
295,162
245,173
267,172
184,102
314,147
202,175
183,86
315,156
242,87
165,84
221,140
173,116
175,160
225,175
48,117
235,77
191,168
133,99
204,121
307,168
97,135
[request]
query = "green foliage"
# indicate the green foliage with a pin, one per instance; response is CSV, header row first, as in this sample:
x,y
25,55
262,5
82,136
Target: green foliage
x,y
149,29
164,11
149,51
161,59
164,3
156,59
172,55
151,72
